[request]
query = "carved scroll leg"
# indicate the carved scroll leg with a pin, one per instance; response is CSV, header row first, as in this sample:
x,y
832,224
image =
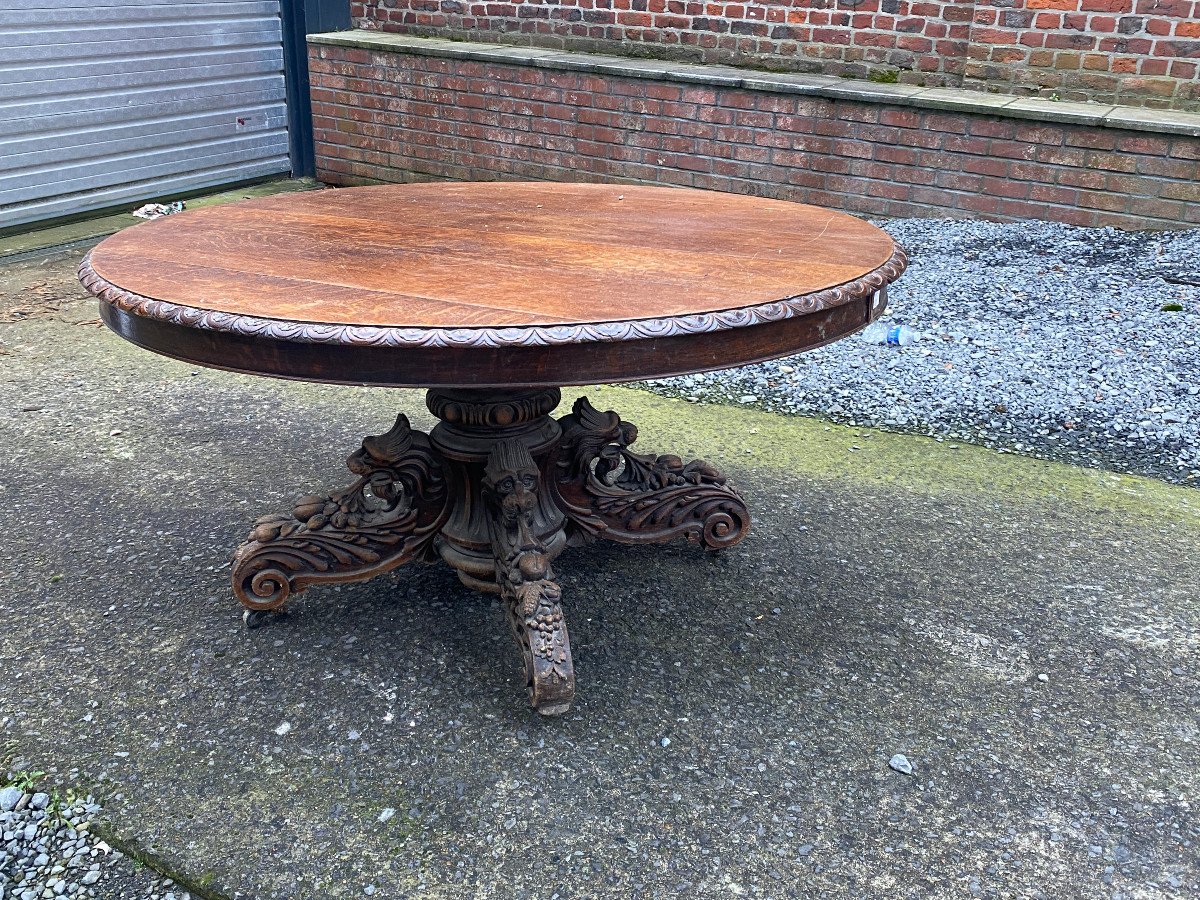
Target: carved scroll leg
x,y
536,619
608,491
526,580
387,517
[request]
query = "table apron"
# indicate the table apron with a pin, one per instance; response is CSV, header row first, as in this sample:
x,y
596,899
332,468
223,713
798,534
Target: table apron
x,y
593,362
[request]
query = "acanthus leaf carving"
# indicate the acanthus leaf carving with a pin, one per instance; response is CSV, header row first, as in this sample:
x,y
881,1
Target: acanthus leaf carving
x,y
524,575
389,515
523,479
610,491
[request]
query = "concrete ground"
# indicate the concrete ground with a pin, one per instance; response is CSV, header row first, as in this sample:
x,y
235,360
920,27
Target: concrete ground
x,y
735,714
85,231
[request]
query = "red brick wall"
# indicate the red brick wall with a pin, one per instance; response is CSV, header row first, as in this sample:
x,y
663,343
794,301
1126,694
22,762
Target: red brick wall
x,y
396,116
1145,51
1142,52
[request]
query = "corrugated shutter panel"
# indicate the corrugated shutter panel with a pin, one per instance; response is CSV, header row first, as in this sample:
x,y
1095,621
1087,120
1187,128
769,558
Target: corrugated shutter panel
x,y
108,101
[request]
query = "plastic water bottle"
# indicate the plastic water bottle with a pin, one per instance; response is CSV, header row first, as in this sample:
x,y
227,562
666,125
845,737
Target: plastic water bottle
x,y
892,335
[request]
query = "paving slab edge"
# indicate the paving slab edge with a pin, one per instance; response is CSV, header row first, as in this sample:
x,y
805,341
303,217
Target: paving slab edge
x,y
153,859
1100,115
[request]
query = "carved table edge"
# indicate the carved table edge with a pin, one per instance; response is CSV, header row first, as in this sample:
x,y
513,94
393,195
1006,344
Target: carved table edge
x,y
492,337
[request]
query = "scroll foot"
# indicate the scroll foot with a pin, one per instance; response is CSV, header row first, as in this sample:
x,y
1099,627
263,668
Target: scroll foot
x,y
608,491
387,517
526,580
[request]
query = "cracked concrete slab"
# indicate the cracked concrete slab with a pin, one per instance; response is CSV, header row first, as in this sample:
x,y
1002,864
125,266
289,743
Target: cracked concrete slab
x,y
735,713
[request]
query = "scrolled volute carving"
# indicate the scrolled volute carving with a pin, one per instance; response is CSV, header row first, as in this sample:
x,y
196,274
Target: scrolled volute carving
x,y
609,490
388,516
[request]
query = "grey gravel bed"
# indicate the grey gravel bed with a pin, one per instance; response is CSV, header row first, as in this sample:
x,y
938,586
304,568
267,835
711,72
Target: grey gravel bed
x,y
48,850
1061,342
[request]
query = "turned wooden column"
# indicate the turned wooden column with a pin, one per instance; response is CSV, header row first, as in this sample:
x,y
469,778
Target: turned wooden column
x,y
472,423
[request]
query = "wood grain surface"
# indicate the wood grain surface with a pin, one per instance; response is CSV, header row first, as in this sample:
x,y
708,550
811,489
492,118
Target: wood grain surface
x,y
490,254
492,284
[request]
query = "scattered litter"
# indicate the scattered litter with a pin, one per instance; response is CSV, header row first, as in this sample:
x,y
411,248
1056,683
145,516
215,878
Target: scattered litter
x,y
387,813
158,210
284,728
1043,677
892,335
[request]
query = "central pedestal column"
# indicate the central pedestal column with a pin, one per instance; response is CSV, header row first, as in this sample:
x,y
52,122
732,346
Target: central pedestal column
x,y
473,423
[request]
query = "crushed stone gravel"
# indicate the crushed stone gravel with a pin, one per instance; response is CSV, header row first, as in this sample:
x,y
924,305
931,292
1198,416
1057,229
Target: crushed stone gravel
x,y
1060,342
47,849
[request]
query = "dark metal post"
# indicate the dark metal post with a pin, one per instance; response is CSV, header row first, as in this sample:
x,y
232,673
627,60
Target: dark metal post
x,y
300,18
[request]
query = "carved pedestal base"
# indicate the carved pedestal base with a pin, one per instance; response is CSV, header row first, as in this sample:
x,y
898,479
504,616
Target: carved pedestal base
x,y
496,490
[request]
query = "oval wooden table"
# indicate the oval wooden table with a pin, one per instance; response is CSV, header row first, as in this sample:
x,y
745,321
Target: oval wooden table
x,y
492,295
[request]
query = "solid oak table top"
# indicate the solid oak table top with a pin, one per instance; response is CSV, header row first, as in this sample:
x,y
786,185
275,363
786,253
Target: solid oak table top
x,y
491,283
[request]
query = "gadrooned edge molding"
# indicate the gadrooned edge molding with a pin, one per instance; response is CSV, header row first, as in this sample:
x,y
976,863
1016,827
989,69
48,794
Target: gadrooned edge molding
x,y
511,336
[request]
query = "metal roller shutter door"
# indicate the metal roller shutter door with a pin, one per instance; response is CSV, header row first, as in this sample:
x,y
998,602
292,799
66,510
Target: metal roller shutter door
x,y
104,102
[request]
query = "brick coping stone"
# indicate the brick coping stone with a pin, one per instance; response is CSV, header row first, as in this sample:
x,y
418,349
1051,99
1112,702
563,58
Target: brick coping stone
x,y
1100,115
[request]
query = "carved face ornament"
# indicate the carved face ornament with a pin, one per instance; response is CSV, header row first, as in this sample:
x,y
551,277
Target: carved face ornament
x,y
512,477
517,495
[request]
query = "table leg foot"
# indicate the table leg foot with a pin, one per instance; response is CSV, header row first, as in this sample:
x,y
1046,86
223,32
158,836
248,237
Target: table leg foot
x,y
610,492
387,517
531,596
257,618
